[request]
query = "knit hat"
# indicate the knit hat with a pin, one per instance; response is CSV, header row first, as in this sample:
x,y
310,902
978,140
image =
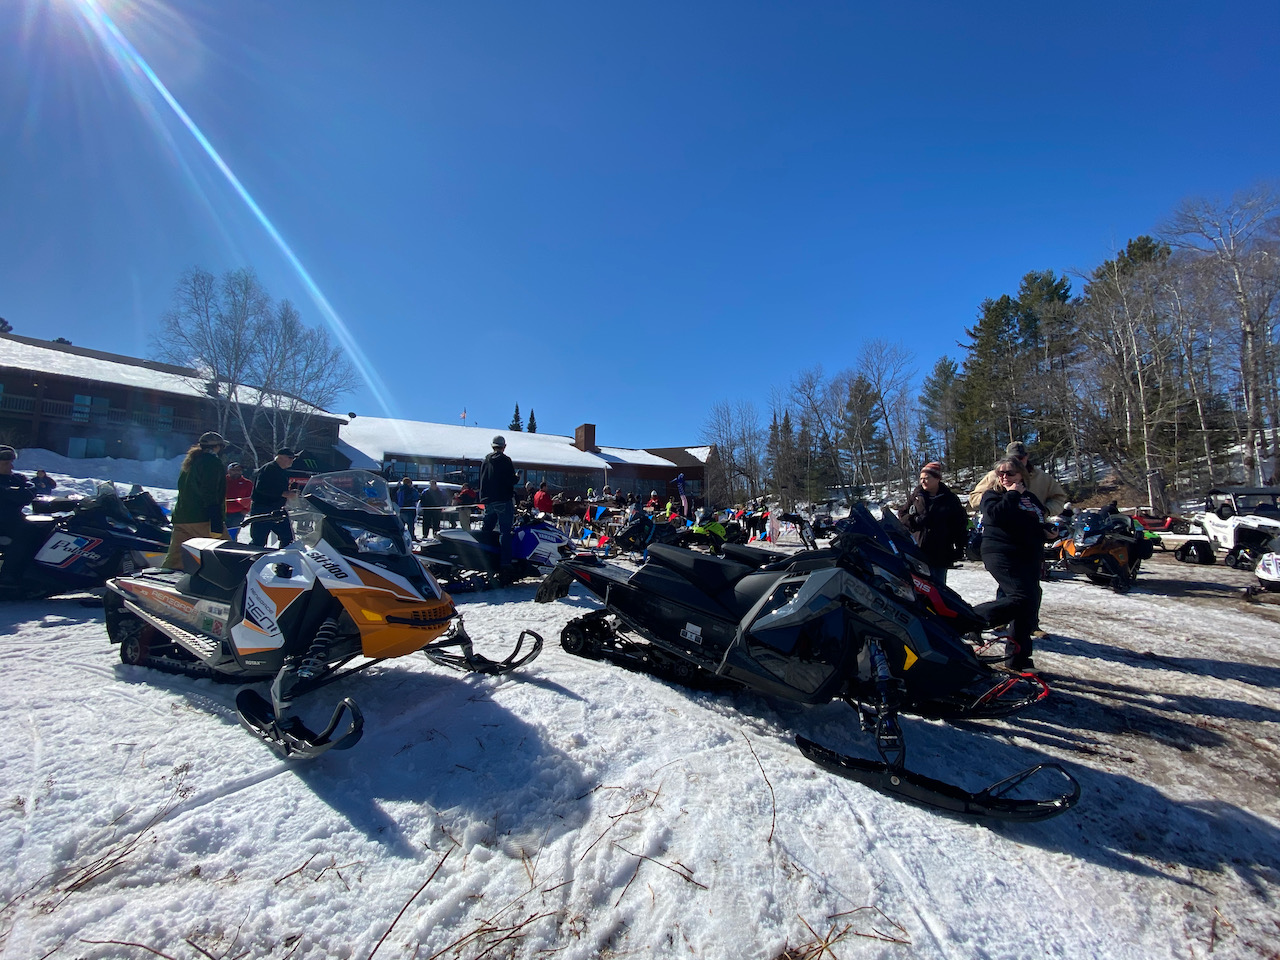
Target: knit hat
x,y
1016,449
8,453
933,468
212,439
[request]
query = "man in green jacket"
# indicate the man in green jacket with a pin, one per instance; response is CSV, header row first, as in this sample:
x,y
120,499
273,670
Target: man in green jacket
x,y
200,510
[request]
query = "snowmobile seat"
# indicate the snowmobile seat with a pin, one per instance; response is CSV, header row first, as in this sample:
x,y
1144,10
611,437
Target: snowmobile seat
x,y
753,556
225,565
806,561
710,573
748,591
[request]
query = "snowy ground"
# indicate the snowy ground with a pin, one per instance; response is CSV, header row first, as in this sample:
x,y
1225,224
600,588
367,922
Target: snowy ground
x,y
577,810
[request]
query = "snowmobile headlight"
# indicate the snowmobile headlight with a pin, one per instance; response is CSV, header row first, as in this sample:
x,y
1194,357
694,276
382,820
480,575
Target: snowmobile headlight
x,y
367,542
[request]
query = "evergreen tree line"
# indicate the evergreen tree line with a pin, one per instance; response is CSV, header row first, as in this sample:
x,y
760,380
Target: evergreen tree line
x,y
1161,372
517,424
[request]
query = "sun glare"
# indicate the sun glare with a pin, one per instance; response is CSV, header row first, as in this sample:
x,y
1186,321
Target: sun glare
x,y
101,21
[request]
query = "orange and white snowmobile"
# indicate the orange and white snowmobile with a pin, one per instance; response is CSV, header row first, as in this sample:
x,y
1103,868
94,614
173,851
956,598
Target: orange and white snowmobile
x,y
347,587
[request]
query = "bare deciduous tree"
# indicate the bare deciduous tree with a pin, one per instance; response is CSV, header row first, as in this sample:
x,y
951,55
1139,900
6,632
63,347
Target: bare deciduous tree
x,y
265,371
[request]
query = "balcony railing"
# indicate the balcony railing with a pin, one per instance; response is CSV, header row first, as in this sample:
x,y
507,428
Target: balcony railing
x,y
78,413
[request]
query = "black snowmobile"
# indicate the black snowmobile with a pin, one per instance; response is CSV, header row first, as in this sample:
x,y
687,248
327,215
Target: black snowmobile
x,y
643,531
470,559
858,621
150,520
83,541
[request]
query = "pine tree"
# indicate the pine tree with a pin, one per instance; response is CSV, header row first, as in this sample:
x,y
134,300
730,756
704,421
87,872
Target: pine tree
x,y
515,423
5,326
533,422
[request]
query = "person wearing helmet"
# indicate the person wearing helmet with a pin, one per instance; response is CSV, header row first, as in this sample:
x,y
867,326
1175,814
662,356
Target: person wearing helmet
x,y
497,493
201,507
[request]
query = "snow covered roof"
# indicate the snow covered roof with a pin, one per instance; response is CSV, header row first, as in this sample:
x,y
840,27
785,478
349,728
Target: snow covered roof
x,y
66,360
376,439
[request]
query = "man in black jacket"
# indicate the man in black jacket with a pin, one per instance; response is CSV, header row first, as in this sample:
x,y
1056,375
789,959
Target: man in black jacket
x,y
937,520
17,534
497,493
270,487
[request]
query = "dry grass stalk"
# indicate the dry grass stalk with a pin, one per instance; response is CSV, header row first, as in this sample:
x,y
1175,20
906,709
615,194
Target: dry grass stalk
x,y
127,943
773,824
409,901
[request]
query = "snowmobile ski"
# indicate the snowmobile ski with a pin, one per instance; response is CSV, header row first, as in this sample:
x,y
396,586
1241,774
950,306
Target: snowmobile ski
x,y
992,803
466,659
290,738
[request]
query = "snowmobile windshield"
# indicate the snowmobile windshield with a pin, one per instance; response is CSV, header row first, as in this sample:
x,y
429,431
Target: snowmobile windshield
x,y
347,490
105,502
351,510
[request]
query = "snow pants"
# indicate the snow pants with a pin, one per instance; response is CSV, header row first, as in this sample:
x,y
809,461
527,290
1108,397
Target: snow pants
x,y
1019,580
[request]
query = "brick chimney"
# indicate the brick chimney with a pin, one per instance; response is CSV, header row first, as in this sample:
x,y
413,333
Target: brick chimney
x,y
584,438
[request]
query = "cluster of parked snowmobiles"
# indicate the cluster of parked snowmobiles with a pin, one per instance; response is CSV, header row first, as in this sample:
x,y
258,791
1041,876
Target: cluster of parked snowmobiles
x,y
349,587
83,541
859,621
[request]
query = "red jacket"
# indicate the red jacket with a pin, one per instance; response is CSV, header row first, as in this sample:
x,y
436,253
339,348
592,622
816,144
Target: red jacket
x,y
239,492
542,501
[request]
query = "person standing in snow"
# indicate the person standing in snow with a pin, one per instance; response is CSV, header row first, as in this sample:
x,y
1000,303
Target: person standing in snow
x,y
937,521
497,493
1046,489
201,507
464,500
43,483
270,488
1013,537
17,535
405,499
430,502
239,497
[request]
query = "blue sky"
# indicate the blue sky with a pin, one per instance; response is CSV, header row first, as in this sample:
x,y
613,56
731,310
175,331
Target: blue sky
x,y
611,213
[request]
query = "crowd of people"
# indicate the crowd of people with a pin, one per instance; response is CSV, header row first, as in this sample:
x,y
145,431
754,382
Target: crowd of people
x,y
1013,502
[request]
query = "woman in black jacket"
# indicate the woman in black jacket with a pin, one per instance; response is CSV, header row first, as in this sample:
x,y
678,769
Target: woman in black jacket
x,y
1012,549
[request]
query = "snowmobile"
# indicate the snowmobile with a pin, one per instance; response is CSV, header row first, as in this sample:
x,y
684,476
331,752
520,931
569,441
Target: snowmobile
x,y
708,531
470,559
642,531
1106,548
348,587
83,541
148,516
856,621
1268,569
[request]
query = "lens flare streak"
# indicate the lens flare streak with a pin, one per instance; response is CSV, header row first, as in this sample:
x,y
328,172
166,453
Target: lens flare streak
x,y
130,60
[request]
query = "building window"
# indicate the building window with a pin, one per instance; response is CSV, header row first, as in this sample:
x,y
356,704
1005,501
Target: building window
x,y
86,448
85,408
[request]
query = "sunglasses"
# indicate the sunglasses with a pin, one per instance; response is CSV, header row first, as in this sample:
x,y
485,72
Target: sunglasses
x,y
1008,473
